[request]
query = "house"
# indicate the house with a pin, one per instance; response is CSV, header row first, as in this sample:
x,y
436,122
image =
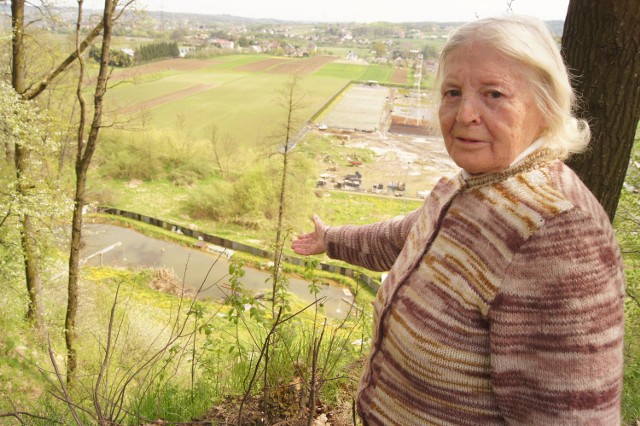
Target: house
x,y
222,43
347,36
184,50
269,46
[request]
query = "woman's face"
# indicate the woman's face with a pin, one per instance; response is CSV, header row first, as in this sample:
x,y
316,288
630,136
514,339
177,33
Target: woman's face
x,y
488,114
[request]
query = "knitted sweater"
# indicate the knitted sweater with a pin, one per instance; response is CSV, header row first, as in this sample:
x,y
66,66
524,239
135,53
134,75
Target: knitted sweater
x,y
503,304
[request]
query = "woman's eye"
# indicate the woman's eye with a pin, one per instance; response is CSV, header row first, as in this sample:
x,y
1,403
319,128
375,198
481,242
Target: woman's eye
x,y
494,94
452,93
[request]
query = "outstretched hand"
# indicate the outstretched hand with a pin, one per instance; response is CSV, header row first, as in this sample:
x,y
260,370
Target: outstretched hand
x,y
313,242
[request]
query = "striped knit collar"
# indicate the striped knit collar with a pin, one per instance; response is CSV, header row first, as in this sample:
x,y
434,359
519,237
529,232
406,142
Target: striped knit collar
x,y
531,162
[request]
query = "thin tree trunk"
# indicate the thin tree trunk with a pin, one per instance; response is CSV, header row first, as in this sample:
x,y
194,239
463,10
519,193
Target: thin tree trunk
x,y
83,160
21,158
292,103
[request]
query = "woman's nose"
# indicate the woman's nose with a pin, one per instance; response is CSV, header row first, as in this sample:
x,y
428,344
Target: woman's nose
x,y
468,112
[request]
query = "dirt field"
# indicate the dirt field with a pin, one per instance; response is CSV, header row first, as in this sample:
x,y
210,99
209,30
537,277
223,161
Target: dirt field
x,y
419,162
275,65
399,75
165,65
406,151
302,66
170,97
360,108
260,65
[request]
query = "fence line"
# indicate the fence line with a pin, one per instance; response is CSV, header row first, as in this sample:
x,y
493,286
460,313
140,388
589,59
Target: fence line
x,y
233,245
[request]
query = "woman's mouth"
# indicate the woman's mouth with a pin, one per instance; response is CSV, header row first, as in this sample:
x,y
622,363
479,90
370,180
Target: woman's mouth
x,y
468,140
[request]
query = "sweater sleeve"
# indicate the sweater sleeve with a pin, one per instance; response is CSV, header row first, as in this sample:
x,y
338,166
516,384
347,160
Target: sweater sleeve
x,y
375,246
557,324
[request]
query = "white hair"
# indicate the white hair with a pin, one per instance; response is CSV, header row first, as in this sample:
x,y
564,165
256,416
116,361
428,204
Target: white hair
x,y
529,42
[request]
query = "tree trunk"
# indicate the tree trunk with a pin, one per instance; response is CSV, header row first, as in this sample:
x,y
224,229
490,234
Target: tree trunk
x,y
291,100
21,158
601,46
84,154
17,46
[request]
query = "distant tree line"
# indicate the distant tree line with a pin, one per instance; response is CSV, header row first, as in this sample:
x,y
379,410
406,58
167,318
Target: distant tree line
x,y
150,52
117,58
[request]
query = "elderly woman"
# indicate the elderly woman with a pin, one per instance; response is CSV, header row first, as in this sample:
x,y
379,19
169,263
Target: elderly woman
x,y
504,299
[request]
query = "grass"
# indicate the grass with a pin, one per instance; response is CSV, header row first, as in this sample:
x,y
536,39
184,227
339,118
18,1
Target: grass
x,y
145,318
230,62
336,208
236,101
342,208
162,84
380,73
237,105
342,70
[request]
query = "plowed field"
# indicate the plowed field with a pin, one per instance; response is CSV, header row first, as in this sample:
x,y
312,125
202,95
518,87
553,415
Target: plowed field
x,y
302,66
399,75
165,65
260,65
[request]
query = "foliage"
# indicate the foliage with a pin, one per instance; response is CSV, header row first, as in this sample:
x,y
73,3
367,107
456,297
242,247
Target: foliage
x,y
294,359
150,52
43,196
246,198
173,401
206,53
380,48
117,58
627,223
429,51
154,155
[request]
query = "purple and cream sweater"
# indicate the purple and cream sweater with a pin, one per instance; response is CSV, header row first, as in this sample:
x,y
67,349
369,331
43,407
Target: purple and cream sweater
x,y
503,304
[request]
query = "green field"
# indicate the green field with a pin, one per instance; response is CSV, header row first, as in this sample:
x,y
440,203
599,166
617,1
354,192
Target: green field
x,y
239,103
379,73
234,61
244,106
342,70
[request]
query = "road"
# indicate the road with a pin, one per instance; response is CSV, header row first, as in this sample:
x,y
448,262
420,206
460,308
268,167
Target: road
x,y
197,268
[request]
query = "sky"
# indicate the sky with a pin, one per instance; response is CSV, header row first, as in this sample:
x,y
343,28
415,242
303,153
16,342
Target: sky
x,y
362,10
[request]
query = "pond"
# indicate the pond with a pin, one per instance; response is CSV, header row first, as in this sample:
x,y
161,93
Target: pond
x,y
115,246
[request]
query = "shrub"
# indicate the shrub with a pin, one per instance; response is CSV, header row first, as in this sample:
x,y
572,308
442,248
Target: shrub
x,y
210,202
125,156
149,52
251,198
154,155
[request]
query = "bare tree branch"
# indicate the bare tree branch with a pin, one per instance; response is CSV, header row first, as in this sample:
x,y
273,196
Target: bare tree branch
x,y
35,89
19,414
63,387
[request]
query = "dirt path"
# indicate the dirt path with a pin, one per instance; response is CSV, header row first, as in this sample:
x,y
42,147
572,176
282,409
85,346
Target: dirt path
x,y
170,97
